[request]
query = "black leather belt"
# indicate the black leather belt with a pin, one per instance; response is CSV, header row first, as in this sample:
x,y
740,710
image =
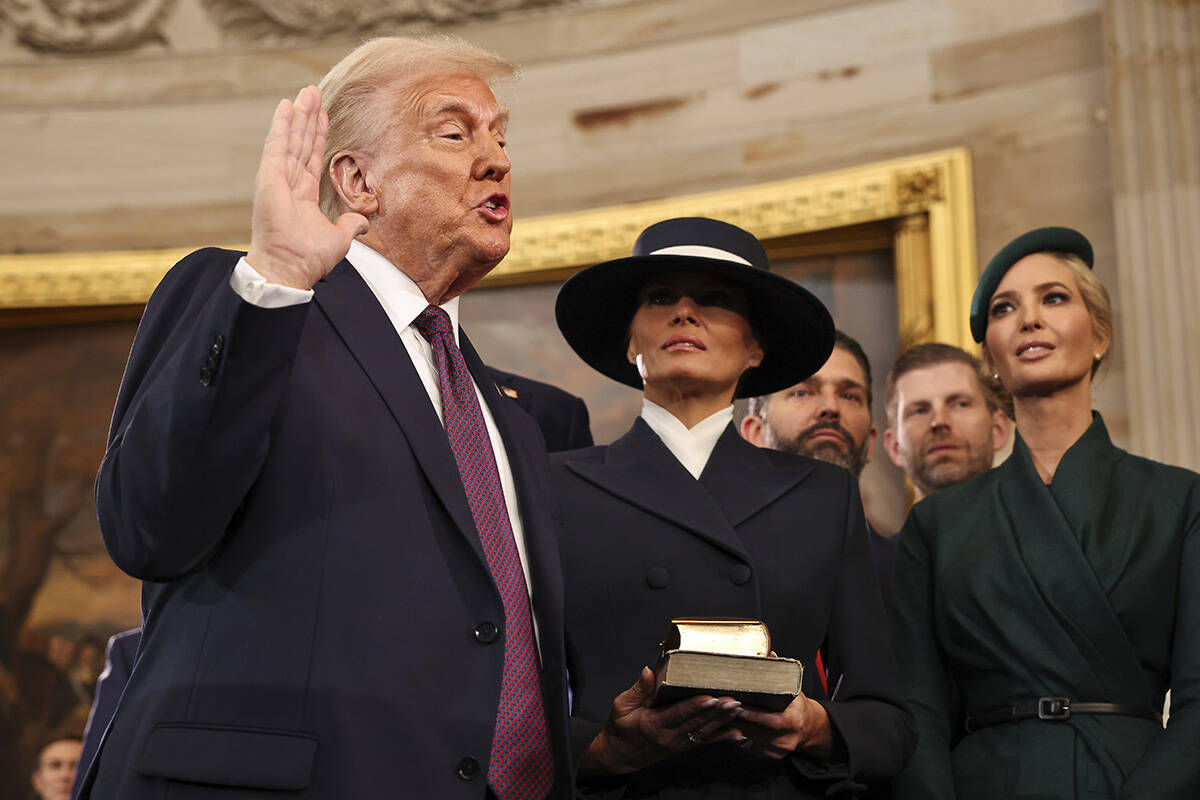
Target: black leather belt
x,y
1054,709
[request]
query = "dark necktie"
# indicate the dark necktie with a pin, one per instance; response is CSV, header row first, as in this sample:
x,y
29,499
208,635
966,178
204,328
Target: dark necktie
x,y
522,763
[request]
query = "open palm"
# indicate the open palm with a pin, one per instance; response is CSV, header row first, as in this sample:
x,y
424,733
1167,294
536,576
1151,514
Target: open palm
x,y
291,242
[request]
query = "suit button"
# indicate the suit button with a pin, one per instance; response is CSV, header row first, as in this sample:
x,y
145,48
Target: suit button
x,y
468,769
658,578
211,363
217,343
486,632
206,376
740,574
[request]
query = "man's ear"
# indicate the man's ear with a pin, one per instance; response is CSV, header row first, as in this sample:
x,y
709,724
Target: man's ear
x,y
753,430
1001,429
871,443
354,185
892,446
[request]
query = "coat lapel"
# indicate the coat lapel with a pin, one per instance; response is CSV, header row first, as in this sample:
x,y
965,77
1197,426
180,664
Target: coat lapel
x,y
355,313
531,494
640,469
743,480
1043,521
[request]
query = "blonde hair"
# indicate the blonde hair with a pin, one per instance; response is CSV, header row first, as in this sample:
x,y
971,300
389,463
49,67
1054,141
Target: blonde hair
x,y
361,91
1095,299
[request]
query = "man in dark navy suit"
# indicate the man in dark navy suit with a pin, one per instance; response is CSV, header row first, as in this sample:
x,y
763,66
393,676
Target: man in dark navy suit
x,y
351,582
828,417
562,416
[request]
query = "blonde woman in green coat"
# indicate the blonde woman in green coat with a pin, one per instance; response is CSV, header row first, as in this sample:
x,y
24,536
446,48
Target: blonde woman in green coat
x,y
1044,608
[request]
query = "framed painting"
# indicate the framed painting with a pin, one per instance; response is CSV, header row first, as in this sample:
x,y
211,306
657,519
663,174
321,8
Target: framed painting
x,y
889,247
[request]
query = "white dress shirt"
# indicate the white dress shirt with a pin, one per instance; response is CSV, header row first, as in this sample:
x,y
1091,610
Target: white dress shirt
x,y
403,301
692,446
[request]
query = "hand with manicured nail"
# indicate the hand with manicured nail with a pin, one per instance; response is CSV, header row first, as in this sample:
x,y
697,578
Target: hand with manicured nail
x,y
635,735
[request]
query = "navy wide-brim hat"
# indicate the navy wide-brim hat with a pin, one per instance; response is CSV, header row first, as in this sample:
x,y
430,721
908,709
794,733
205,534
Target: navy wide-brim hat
x,y
793,327
1041,240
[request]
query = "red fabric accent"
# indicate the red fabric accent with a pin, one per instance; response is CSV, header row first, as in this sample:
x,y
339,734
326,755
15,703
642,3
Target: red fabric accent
x,y
819,663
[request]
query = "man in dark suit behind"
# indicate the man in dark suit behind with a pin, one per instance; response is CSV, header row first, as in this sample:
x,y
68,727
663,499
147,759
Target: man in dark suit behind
x,y
828,417
342,597
562,416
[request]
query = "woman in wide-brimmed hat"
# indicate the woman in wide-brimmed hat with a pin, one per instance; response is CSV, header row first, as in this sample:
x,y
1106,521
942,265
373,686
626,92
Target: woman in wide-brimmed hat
x,y
1045,607
682,517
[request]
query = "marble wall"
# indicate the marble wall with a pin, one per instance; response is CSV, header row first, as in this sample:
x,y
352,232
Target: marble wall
x,y
154,143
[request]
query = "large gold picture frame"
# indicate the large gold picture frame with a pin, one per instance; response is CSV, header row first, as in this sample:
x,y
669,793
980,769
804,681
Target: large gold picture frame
x,y
920,206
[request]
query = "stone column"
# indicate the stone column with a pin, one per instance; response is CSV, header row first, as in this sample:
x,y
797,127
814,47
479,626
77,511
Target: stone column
x,y
1153,63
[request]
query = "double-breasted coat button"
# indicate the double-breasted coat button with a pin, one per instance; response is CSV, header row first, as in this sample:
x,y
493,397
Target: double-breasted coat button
x,y
486,632
658,578
206,376
739,574
217,343
468,769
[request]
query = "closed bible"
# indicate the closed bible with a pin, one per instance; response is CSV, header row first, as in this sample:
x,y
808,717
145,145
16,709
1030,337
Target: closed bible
x,y
724,658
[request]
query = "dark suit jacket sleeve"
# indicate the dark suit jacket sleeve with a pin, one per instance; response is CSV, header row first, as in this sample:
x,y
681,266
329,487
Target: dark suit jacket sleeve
x,y
191,426
867,712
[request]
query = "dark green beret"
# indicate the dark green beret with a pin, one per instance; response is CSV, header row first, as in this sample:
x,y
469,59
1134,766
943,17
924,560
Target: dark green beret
x,y
1042,240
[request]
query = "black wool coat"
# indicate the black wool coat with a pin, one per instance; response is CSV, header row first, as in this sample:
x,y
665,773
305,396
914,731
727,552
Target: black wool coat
x,y
763,535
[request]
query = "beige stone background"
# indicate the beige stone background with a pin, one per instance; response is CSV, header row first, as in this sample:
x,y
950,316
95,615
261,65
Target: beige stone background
x,y
137,124
156,145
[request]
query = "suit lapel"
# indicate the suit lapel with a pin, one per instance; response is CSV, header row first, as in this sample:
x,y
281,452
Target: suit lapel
x,y
356,315
640,469
541,545
743,480
531,496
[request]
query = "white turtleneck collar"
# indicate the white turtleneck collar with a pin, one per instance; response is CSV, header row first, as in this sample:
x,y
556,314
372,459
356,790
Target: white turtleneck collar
x,y
691,446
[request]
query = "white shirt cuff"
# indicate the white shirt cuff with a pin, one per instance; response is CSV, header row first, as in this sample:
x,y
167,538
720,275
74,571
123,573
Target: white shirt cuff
x,y
254,289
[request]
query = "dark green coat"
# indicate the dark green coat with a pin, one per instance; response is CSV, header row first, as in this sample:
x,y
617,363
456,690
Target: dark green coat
x,y
1007,589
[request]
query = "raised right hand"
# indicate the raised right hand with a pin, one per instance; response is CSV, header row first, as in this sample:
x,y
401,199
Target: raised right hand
x,y
291,242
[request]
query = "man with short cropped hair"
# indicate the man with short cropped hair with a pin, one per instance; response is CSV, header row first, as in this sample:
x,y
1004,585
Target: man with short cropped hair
x,y
350,577
945,420
55,768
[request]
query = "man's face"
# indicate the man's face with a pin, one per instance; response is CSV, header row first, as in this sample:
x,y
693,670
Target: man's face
x,y
60,651
439,181
825,417
56,769
944,432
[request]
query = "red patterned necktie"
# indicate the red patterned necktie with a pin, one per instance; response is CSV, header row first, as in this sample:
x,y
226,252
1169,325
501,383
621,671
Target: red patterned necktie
x,y
522,763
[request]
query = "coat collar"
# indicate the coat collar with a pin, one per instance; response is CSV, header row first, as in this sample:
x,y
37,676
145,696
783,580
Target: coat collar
x,y
738,481
363,325
743,479
1049,525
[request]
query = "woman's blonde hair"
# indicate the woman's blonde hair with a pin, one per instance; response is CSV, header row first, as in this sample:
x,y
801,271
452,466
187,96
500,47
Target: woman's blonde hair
x,y
362,90
1095,299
